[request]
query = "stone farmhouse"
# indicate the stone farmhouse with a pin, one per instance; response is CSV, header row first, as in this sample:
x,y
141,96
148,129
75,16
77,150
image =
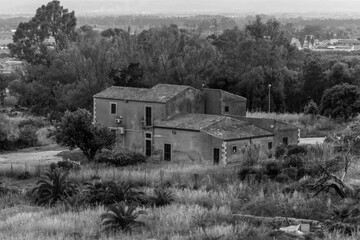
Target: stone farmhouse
x,y
181,123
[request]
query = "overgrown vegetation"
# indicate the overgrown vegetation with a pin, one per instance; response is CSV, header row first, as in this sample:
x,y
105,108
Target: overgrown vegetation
x,y
23,131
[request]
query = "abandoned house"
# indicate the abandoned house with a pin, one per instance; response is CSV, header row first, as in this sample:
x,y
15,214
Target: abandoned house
x,y
181,123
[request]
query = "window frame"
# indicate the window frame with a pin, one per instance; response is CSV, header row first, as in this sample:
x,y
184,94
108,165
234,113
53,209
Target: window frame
x,y
111,108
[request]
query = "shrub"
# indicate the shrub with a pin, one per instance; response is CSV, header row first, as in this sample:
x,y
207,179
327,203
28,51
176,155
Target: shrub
x,y
120,159
272,169
280,151
24,175
27,137
296,150
293,161
121,217
34,122
68,165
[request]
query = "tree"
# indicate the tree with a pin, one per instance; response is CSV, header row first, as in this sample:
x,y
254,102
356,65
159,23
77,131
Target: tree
x,y
130,76
339,74
50,29
314,80
76,130
341,101
311,108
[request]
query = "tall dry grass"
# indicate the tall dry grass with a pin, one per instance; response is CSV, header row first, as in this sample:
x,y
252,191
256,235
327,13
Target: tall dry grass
x,y
310,126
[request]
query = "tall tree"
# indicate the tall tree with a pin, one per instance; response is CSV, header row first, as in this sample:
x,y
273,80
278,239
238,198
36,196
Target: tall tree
x,y
50,29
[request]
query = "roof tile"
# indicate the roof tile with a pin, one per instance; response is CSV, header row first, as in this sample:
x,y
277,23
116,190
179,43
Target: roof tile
x,y
160,93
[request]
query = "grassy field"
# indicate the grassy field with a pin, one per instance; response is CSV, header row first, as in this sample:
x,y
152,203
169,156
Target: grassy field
x,y
205,201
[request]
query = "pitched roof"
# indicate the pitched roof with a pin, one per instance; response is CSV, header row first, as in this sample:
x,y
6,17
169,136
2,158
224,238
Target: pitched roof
x,y
211,124
160,93
190,121
238,130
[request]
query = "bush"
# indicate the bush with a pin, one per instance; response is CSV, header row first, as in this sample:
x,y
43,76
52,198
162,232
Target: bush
x,y
280,151
27,137
296,150
68,165
293,161
272,169
120,159
34,122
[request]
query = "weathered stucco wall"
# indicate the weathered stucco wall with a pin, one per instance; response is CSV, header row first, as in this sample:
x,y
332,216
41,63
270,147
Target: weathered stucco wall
x,y
217,100
189,101
132,114
213,103
281,130
240,145
187,146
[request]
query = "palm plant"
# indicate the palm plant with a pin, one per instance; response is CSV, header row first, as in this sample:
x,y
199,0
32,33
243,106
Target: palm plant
x,y
122,217
55,188
123,192
163,197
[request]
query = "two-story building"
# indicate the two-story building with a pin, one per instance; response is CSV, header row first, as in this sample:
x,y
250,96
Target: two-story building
x,y
181,123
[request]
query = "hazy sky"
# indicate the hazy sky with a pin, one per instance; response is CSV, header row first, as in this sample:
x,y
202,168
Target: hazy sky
x,y
177,6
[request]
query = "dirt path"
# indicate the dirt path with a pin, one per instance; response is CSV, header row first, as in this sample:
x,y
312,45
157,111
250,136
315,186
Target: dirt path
x,y
30,158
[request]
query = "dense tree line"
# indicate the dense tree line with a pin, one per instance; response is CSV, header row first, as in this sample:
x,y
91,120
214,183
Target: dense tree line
x,y
65,66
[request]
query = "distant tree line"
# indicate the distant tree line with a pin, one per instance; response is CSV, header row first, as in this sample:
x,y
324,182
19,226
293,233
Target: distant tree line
x,y
66,65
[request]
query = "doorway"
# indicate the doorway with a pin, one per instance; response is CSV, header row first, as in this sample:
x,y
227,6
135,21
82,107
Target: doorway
x,y
167,152
216,156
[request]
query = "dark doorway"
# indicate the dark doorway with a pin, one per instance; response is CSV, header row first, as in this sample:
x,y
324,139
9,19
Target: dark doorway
x,y
167,152
148,147
285,141
148,117
216,156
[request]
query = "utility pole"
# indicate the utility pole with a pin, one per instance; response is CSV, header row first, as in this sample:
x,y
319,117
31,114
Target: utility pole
x,y
269,97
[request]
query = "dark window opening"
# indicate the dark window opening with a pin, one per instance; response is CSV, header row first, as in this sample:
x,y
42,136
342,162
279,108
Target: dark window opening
x,y
270,145
113,130
234,149
226,109
216,156
148,148
148,135
113,108
167,152
148,117
285,141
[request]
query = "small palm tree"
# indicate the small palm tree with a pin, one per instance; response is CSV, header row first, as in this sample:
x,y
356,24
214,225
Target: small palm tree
x,y
124,192
55,188
162,197
119,216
